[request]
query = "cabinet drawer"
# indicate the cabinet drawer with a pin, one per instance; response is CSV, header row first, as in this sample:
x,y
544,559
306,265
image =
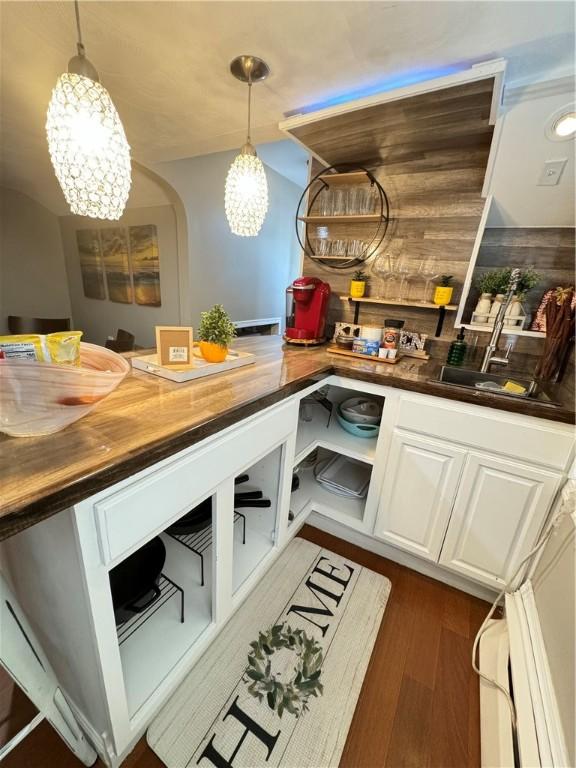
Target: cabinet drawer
x,y
521,437
151,503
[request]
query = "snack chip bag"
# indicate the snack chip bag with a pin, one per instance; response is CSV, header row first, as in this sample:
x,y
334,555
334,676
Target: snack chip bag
x,y
61,348
27,346
64,347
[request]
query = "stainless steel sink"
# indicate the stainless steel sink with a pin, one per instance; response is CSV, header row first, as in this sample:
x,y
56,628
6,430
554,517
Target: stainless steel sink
x,y
493,383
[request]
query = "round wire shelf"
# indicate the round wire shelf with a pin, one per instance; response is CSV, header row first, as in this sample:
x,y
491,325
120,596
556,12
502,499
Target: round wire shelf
x,y
379,219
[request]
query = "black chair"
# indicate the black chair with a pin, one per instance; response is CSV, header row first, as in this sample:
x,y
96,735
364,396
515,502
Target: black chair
x,y
17,325
124,341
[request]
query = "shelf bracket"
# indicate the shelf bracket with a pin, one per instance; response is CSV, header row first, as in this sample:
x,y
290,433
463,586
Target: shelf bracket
x,y
356,309
441,317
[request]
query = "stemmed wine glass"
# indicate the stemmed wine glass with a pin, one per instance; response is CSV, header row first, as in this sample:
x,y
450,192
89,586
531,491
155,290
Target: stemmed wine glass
x,y
428,271
403,272
385,267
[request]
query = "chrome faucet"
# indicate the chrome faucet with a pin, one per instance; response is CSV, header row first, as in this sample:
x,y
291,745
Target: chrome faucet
x,y
492,347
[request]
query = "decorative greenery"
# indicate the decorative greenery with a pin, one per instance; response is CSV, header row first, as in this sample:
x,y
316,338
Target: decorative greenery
x,y
292,696
360,276
529,279
495,281
498,280
445,280
216,326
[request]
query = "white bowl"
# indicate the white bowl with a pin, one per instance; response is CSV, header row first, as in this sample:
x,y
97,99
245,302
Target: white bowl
x,y
361,410
42,398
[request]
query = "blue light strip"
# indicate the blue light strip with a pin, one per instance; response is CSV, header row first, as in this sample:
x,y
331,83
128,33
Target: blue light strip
x,y
382,86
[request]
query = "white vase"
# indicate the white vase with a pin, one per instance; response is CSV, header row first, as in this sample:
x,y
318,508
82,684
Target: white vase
x,y
514,311
496,304
483,308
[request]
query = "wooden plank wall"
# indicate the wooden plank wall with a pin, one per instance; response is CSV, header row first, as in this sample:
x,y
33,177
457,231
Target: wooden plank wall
x,y
550,250
429,153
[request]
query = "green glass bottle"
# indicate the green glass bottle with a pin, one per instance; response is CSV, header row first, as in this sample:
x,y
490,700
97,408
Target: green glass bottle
x,y
457,351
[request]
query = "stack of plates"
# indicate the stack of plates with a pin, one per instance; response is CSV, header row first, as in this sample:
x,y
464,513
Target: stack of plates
x,y
343,476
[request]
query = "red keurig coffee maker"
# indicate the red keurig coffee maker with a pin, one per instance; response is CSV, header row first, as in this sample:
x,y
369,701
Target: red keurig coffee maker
x,y
306,309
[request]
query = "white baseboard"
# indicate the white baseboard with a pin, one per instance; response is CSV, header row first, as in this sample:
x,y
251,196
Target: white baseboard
x,y
399,556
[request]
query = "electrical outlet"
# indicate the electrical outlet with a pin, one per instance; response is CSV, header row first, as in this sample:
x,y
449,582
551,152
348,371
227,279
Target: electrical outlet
x,y
551,172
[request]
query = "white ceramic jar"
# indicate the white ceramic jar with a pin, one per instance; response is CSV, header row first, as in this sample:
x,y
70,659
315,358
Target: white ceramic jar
x,y
483,307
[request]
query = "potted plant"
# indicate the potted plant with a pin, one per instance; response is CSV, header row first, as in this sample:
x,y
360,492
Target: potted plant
x,y
529,279
443,291
493,282
516,314
358,284
216,331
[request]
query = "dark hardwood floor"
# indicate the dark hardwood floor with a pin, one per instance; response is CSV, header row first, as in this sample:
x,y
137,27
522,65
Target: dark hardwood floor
x,y
419,705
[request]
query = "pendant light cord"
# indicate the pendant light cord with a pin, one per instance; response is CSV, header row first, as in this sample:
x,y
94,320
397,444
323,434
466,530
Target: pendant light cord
x,y
79,44
248,139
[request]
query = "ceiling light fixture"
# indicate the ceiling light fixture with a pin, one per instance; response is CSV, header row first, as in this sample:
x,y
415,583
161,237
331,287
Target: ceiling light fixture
x,y
86,140
246,193
566,125
561,125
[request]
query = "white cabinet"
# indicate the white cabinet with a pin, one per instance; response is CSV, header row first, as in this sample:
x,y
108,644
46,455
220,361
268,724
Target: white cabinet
x,y
418,492
499,510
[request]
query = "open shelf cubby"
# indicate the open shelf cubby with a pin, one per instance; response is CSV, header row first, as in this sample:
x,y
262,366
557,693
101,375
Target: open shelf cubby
x,y
311,496
260,516
322,430
153,649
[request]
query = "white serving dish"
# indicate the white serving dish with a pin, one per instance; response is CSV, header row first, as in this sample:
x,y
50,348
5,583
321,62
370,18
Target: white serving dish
x,y
361,410
197,370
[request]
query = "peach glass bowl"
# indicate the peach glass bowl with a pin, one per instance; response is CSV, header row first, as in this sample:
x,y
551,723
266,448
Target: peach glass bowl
x,y
42,398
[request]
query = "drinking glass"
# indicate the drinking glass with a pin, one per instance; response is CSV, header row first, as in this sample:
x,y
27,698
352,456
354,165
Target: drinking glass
x,y
353,200
404,273
356,248
322,247
338,248
382,269
339,205
386,267
428,271
366,200
326,202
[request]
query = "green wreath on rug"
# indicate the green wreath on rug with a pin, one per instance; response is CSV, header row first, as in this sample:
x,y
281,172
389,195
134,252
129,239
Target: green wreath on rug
x,y
292,696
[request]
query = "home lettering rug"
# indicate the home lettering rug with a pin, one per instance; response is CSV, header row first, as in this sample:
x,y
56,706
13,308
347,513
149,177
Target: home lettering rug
x,y
279,685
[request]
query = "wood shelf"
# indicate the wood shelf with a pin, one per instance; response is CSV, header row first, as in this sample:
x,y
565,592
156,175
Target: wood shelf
x,y
505,331
355,218
355,177
323,432
392,303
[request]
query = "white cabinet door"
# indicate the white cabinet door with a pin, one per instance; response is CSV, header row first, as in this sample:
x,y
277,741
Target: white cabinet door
x,y
499,511
418,491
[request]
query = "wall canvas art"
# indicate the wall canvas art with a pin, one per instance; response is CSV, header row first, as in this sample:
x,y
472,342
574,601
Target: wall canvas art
x,y
90,255
145,264
117,264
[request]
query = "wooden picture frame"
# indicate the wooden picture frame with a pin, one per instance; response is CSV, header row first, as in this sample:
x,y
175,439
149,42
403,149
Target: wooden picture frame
x,y
174,345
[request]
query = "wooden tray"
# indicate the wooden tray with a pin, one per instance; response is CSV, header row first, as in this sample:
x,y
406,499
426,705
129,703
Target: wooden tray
x,y
346,353
198,369
304,342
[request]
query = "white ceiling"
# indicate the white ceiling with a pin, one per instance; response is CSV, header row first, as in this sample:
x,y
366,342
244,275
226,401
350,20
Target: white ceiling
x,y
166,64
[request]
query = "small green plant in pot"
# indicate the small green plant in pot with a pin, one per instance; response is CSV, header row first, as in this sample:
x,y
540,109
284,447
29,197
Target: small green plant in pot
x,y
529,279
443,291
216,331
358,284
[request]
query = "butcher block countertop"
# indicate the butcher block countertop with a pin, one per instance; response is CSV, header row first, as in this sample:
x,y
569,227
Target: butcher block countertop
x,y
149,418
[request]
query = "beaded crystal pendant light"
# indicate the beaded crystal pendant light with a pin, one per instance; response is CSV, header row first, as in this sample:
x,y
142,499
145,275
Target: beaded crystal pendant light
x,y
86,140
246,193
